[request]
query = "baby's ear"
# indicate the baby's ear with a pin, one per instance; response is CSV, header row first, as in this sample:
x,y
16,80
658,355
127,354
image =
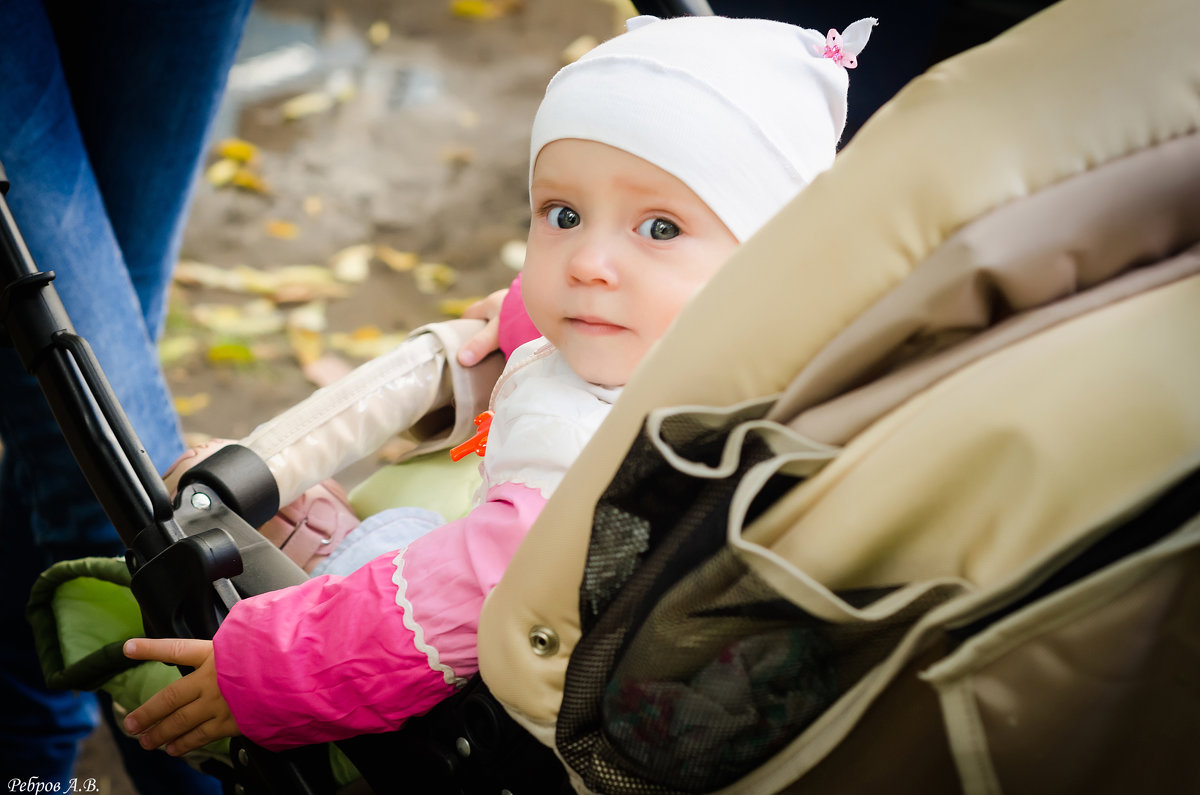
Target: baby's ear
x,y
633,23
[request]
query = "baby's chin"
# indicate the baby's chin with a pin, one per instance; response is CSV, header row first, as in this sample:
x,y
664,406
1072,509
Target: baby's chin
x,y
610,375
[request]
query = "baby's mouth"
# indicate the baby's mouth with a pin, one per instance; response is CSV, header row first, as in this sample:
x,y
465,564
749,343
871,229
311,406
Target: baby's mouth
x,y
588,324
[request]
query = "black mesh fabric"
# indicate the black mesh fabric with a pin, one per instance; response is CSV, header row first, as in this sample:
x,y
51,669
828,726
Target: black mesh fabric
x,y
692,671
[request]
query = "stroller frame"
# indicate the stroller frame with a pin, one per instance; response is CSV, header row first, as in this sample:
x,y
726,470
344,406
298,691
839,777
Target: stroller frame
x,y
191,560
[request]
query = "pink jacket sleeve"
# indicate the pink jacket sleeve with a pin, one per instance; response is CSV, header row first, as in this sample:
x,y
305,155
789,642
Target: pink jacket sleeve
x,y
340,656
515,328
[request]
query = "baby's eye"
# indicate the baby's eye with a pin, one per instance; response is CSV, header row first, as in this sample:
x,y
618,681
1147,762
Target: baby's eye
x,y
563,217
658,229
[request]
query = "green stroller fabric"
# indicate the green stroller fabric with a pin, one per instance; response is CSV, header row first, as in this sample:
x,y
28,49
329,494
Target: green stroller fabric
x,y
82,612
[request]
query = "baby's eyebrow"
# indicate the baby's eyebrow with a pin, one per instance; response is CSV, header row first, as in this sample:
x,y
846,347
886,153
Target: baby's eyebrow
x,y
548,184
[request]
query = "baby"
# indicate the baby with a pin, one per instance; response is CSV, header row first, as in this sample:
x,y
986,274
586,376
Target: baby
x,y
652,157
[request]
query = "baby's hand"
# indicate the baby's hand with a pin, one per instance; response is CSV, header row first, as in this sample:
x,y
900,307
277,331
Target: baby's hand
x,y
475,349
189,713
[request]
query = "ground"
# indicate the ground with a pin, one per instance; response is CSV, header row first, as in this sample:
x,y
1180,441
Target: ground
x,y
408,142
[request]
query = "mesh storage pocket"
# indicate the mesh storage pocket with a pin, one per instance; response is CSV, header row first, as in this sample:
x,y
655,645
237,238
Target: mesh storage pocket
x,y
692,671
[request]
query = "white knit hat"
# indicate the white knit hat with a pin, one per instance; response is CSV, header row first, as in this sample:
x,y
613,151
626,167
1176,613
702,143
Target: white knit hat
x,y
744,111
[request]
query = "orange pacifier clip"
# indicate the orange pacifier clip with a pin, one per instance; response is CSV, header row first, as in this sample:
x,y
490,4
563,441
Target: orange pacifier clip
x,y
478,443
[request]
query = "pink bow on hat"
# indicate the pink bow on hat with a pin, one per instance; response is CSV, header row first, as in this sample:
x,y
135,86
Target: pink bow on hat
x,y
843,49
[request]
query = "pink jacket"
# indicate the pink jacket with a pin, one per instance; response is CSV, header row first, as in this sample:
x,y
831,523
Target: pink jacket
x,y
340,656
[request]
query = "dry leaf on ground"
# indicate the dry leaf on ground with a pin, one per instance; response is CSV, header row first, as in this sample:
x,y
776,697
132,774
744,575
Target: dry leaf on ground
x,y
283,230
221,172
399,261
230,353
456,306
236,149
186,405
251,319
353,263
434,277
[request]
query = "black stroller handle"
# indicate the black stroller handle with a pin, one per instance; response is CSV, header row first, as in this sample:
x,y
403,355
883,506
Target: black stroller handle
x,y
180,576
191,561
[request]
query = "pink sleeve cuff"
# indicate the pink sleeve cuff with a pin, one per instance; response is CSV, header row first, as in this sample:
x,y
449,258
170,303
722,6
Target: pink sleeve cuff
x,y
515,327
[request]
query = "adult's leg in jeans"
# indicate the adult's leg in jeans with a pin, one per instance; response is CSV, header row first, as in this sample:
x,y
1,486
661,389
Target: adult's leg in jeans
x,y
64,213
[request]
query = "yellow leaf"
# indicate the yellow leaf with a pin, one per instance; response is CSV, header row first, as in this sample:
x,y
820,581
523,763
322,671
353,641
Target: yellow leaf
x,y
456,155
309,104
172,349
283,230
352,264
366,342
254,318
237,149
306,344
246,179
230,353
202,274
434,277
483,9
186,405
399,261
455,306
379,32
310,316
473,9
222,172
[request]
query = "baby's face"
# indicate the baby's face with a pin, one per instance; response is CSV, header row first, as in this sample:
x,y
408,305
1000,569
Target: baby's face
x,y
616,248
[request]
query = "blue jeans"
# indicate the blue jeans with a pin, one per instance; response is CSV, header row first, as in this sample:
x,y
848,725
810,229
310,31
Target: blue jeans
x,y
104,111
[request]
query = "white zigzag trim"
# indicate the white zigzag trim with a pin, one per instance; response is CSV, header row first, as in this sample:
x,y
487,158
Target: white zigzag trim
x,y
418,633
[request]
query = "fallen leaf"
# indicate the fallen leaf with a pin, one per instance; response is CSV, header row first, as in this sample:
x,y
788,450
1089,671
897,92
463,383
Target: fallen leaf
x,y
366,342
306,344
247,180
308,104
283,230
253,318
310,316
434,277
473,9
174,348
230,353
222,172
512,254
325,370
456,306
399,261
312,205
186,405
455,155
483,9
237,149
352,264
379,32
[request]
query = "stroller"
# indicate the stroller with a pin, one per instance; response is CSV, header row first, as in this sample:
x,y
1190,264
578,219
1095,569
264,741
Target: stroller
x,y
923,516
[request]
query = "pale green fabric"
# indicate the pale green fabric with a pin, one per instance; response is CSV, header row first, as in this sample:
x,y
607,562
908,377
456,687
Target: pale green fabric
x,y
431,481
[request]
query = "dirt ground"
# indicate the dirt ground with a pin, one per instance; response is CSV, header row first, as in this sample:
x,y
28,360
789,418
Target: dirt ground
x,y
426,154
407,139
